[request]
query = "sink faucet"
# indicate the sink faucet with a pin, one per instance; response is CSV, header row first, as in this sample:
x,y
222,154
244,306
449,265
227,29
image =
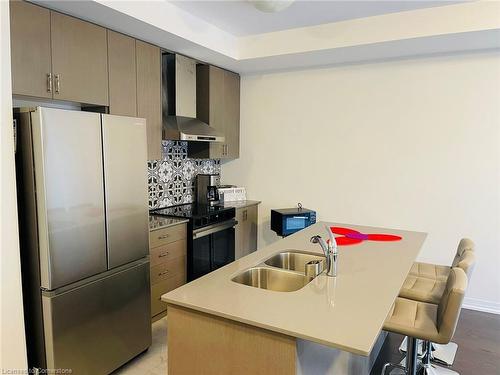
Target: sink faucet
x,y
330,251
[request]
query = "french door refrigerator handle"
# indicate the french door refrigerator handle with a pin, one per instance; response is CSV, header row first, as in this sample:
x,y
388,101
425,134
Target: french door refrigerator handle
x,y
211,229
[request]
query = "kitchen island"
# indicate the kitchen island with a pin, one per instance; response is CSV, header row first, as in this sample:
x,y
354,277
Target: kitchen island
x,y
332,324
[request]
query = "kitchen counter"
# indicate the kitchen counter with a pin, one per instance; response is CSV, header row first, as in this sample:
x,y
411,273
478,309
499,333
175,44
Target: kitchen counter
x,y
239,204
346,312
159,222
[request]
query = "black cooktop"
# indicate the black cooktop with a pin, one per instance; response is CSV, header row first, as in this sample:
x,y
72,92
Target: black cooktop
x,y
199,215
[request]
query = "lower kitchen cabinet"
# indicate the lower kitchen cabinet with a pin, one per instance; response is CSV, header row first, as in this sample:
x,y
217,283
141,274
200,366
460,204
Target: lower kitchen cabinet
x,y
246,230
167,248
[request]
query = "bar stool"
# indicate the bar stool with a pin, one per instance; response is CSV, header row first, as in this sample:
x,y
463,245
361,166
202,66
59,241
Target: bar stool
x,y
430,290
440,272
427,321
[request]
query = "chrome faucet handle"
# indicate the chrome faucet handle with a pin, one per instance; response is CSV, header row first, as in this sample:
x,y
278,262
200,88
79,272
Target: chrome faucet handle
x,y
333,242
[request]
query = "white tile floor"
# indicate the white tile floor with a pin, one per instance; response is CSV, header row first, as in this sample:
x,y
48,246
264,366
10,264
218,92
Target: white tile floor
x,y
154,361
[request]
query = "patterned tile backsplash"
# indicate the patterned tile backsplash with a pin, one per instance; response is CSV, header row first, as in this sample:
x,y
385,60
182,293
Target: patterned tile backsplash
x,y
172,180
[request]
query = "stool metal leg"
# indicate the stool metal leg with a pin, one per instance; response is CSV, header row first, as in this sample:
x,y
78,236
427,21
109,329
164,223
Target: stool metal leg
x,y
411,356
428,368
391,365
444,354
402,347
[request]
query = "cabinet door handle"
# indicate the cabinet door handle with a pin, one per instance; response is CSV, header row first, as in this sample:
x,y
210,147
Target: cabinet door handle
x,y
227,149
58,83
49,82
163,273
245,215
163,255
163,237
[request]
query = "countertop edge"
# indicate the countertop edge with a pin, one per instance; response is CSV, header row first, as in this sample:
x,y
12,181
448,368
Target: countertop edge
x,y
269,328
238,204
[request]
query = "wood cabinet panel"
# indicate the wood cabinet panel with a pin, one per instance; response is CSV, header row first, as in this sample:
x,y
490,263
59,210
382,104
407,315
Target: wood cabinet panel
x,y
232,114
148,62
167,235
122,75
217,108
195,339
167,252
172,268
159,289
79,60
30,49
246,231
218,104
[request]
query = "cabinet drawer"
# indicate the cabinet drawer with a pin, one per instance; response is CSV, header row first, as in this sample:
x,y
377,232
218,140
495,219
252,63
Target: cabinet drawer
x,y
171,268
167,235
157,290
164,253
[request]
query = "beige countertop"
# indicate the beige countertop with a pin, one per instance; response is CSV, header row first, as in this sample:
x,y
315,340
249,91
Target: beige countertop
x,y
346,312
240,204
159,222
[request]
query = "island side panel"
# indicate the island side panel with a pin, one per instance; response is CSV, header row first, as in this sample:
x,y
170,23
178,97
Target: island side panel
x,y
200,343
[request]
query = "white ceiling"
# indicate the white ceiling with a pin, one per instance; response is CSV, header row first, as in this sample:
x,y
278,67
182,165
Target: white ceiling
x,y
241,18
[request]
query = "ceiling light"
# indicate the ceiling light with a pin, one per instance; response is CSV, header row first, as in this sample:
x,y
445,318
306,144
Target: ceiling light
x,y
271,6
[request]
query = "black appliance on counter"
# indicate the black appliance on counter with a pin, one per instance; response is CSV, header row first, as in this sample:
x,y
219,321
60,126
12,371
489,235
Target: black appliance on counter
x,y
287,221
211,241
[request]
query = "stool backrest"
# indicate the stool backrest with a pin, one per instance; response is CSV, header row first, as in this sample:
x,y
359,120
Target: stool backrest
x,y
451,303
467,263
465,244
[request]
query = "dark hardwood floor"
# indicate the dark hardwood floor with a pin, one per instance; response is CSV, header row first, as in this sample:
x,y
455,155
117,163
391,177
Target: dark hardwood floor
x,y
478,339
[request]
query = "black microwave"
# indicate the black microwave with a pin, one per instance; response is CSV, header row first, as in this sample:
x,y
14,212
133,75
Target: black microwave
x,y
290,220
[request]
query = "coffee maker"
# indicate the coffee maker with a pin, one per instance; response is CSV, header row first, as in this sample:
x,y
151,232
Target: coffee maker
x,y
207,189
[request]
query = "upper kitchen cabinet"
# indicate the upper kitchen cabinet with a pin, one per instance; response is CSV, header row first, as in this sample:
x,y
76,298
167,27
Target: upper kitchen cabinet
x,y
232,114
30,50
148,63
218,104
79,60
122,75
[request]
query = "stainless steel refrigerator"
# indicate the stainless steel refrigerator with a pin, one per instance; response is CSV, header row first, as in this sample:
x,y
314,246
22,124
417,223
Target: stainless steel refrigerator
x,y
82,192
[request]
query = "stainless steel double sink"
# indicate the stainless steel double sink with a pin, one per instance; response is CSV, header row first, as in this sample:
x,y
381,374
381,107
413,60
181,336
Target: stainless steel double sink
x,y
282,272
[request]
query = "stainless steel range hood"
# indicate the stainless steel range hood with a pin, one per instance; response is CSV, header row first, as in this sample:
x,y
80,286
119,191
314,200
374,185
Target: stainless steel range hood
x,y
189,129
179,102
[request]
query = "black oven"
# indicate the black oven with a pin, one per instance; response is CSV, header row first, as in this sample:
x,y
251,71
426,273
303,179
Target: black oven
x,y
211,239
212,247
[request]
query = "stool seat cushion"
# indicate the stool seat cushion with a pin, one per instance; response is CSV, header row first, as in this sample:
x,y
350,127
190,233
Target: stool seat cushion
x,y
430,271
423,289
413,318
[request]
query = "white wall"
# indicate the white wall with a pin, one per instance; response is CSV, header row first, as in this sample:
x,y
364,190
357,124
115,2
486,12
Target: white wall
x,y
13,347
410,144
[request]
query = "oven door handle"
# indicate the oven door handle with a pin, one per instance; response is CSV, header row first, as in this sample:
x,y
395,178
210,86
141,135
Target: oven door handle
x,y
211,229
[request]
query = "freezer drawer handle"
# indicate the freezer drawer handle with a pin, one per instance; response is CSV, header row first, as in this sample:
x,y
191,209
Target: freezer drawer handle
x,y
164,236
163,255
